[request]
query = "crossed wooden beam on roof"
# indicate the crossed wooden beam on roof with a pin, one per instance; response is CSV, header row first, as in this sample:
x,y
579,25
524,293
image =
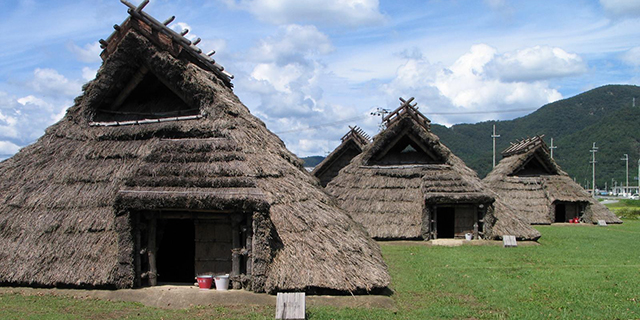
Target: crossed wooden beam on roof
x,y
524,145
178,38
357,133
410,109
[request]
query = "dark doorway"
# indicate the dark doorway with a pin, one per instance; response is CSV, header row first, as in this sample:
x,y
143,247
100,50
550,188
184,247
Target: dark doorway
x,y
561,212
446,217
176,250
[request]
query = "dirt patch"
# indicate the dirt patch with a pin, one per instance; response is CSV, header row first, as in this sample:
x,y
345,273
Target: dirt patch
x,y
452,243
183,296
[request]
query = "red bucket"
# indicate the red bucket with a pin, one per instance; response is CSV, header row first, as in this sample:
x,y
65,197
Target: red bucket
x,y
204,282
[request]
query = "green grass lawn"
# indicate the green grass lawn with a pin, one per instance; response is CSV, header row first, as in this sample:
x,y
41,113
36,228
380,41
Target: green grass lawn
x,y
577,272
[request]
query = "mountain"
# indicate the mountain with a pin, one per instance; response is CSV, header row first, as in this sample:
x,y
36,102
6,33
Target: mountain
x,y
312,161
604,115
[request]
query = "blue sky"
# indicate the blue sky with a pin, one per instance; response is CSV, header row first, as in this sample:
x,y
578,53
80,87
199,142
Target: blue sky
x,y
311,68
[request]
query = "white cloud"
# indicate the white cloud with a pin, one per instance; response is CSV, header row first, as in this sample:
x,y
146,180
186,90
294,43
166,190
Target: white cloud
x,y
90,53
328,12
466,86
293,43
621,8
536,63
632,57
7,149
89,74
49,81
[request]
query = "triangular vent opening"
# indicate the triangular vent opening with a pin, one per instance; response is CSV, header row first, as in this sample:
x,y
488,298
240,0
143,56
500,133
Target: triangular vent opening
x,y
407,151
144,97
534,167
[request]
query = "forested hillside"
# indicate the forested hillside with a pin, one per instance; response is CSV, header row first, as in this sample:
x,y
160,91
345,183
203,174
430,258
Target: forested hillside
x,y
604,115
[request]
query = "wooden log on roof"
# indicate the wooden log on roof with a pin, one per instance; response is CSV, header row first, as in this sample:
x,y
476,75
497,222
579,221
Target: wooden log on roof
x,y
168,21
142,5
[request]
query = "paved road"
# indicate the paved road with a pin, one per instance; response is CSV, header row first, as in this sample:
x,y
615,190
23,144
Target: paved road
x,y
609,201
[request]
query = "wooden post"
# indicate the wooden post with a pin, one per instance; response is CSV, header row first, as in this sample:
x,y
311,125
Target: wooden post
x,y
249,243
235,254
136,250
151,250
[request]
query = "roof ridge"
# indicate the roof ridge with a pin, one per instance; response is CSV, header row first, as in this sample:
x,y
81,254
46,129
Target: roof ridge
x,y
525,145
177,42
410,110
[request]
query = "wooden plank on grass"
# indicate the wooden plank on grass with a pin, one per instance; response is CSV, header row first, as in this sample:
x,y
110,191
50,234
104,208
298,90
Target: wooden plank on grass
x,y
509,241
602,223
290,305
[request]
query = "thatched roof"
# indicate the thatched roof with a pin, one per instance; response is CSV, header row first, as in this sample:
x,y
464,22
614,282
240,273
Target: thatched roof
x,y
65,200
389,199
352,144
531,181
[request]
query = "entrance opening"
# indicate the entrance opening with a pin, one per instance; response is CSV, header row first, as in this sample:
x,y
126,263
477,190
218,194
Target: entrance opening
x,y
454,221
176,250
566,211
561,213
446,222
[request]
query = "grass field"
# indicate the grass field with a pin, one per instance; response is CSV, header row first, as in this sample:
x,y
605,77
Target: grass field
x,y
577,272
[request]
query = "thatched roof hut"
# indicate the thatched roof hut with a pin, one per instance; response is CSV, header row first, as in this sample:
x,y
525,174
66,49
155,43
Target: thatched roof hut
x,y
406,184
532,182
351,146
158,173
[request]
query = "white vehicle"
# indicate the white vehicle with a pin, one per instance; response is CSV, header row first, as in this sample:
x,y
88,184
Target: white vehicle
x,y
635,196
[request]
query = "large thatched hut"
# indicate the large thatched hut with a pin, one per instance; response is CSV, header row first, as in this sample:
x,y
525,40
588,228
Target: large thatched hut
x,y
532,182
406,184
159,173
351,146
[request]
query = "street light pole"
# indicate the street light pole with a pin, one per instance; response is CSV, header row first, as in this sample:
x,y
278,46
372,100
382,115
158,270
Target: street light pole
x,y
593,161
494,136
626,158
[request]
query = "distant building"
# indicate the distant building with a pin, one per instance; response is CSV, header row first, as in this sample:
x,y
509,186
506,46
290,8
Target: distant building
x,y
407,185
351,146
531,182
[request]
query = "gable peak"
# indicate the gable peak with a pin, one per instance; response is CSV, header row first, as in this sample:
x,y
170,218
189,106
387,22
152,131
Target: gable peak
x,y
407,109
165,38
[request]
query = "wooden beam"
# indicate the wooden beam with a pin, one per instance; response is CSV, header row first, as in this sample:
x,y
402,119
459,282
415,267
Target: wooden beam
x,y
235,254
137,248
249,243
133,83
151,251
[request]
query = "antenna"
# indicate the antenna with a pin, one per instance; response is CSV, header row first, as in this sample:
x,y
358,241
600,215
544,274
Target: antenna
x,y
494,136
382,113
593,151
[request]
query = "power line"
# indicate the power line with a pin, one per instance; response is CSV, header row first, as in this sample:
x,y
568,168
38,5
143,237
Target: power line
x,y
329,124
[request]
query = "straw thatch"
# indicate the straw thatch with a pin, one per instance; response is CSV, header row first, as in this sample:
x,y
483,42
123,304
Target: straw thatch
x,y
394,196
68,202
532,182
352,144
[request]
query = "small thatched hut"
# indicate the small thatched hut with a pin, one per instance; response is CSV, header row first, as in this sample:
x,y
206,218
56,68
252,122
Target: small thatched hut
x,y
351,146
159,173
530,181
406,184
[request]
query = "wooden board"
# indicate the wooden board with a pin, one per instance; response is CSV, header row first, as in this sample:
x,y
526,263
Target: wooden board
x,y
602,223
290,305
213,247
509,241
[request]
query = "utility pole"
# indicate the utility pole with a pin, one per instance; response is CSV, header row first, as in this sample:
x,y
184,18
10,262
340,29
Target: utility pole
x,y
638,176
626,158
494,136
552,147
593,151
